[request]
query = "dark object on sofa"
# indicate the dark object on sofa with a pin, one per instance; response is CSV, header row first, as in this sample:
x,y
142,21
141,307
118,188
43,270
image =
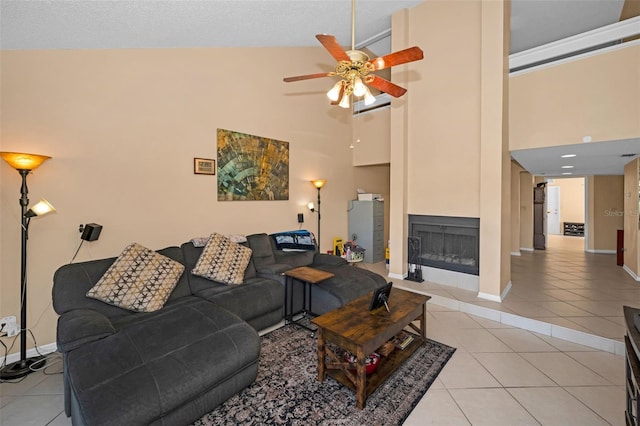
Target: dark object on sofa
x,y
348,284
170,366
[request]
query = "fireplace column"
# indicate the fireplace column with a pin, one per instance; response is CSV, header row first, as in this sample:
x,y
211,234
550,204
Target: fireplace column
x,y
495,164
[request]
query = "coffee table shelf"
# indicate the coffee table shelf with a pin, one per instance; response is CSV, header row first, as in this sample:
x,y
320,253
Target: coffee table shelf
x,y
387,367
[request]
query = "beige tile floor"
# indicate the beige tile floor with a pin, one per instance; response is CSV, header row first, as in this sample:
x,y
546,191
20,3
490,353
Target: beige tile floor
x,y
499,375
502,375
562,285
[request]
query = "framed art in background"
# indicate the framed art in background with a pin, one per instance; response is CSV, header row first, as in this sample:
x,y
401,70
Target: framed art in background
x,y
204,166
252,168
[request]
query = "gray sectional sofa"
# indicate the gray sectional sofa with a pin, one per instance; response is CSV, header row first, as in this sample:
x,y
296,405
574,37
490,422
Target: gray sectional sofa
x,y
348,283
171,366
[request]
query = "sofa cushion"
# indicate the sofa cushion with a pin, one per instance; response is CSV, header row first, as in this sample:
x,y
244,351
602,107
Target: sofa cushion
x,y
140,280
223,260
253,299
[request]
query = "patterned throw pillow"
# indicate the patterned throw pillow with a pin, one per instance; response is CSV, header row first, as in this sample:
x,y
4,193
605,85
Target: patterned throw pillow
x,y
223,260
140,280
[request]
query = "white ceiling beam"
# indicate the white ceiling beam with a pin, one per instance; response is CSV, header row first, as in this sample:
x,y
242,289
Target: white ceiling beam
x,y
577,43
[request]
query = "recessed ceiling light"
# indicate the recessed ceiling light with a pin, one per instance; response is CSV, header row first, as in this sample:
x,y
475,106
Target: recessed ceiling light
x,y
568,156
568,167
567,173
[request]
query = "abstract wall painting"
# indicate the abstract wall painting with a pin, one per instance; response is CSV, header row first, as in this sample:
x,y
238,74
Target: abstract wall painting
x,y
252,168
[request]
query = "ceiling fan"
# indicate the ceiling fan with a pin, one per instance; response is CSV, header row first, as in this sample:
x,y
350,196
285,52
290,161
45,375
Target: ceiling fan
x,y
356,70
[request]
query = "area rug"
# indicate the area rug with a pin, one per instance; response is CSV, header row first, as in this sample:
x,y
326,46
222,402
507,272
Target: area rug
x,y
287,392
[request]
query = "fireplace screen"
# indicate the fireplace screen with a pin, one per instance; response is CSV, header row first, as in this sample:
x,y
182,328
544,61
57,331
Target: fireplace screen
x,y
450,243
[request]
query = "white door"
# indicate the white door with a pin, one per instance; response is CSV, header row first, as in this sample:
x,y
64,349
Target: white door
x,y
553,210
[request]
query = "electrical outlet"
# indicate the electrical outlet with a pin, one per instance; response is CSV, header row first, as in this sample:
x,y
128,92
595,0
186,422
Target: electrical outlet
x,y
9,326
12,329
8,320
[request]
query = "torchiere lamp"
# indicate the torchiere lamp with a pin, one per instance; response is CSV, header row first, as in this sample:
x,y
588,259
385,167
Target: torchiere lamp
x,y
24,164
318,183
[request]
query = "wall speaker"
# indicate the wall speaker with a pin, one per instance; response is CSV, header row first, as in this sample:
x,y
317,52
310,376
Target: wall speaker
x,y
91,232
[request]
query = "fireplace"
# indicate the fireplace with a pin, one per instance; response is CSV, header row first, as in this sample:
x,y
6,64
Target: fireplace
x,y
445,242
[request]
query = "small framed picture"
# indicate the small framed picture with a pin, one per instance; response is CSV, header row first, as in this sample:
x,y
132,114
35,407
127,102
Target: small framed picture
x,y
204,166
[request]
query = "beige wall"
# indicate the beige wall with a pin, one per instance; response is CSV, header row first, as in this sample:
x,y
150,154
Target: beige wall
x,y
559,105
631,223
606,212
123,127
590,216
455,107
372,129
443,168
495,161
526,211
435,127
516,203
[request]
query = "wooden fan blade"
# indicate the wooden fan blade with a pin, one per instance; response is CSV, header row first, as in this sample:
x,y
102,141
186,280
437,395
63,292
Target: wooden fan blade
x,y
306,77
397,58
387,86
331,44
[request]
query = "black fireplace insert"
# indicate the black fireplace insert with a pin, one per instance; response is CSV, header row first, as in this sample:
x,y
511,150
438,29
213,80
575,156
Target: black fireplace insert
x,y
446,242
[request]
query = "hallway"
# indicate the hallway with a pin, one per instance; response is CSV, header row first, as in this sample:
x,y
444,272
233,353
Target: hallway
x,y
564,285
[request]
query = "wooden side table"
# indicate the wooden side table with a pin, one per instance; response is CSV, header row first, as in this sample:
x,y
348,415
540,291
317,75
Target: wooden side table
x,y
307,276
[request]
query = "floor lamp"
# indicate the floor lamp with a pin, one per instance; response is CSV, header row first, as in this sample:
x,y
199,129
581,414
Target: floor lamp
x,y
24,164
318,183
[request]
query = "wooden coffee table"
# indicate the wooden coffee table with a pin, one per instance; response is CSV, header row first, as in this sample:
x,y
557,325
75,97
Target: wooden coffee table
x,y
356,329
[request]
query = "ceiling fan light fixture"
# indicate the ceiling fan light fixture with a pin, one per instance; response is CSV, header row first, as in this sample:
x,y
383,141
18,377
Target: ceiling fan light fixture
x,y
368,97
344,102
359,89
334,93
357,70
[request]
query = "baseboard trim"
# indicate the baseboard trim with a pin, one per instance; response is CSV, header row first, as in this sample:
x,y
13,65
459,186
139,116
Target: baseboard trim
x,y
600,251
495,298
506,291
516,253
397,276
43,350
488,296
630,272
527,249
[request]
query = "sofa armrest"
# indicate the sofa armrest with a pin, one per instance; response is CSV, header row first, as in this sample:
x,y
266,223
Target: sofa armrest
x,y
82,326
328,259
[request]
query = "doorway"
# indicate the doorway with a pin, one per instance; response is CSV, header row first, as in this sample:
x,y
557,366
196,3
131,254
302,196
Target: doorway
x,y
566,208
553,210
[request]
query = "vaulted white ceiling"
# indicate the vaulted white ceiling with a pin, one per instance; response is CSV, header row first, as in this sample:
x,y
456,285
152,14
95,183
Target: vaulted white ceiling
x,y
95,24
